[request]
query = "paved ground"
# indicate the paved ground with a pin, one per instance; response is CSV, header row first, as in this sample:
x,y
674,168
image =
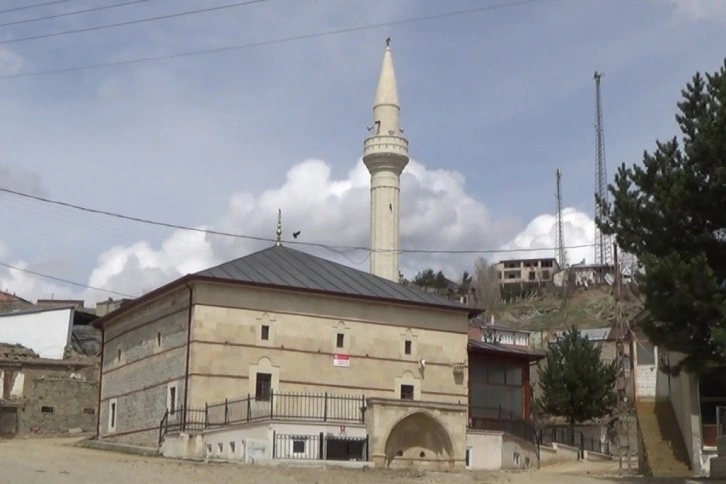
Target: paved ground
x,y
56,461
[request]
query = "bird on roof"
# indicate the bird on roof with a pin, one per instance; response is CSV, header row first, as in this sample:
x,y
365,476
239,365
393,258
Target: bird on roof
x,y
296,234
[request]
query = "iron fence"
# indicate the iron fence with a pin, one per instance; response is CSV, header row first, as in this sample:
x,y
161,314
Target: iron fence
x,y
498,419
319,447
322,407
576,438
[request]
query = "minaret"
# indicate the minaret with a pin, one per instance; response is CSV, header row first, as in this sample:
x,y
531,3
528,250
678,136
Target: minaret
x,y
385,154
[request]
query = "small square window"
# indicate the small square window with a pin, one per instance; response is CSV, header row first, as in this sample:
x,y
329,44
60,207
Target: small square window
x,y
407,347
298,446
406,392
265,333
47,409
340,340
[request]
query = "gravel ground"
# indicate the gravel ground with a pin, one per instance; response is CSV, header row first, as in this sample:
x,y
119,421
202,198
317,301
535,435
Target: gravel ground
x,y
57,461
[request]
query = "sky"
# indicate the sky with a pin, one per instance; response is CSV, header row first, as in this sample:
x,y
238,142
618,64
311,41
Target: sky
x,y
493,102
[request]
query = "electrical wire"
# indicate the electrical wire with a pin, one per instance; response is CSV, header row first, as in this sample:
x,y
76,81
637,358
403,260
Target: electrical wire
x,y
27,7
334,248
132,22
65,281
74,12
263,43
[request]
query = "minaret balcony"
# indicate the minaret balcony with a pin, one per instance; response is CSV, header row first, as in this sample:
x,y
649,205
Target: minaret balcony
x,y
386,144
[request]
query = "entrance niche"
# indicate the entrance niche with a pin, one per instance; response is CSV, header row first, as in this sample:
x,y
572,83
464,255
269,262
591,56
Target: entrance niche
x,y
420,440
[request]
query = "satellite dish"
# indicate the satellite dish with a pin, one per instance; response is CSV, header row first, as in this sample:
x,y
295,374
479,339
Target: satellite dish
x,y
609,279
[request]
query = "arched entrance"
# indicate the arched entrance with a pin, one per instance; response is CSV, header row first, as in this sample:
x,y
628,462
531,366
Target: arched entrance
x,y
419,439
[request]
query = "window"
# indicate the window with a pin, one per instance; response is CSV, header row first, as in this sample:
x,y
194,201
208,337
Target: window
x,y
263,387
112,408
407,347
265,334
545,275
89,411
298,446
532,276
497,389
171,402
47,409
118,355
406,392
158,339
645,353
340,340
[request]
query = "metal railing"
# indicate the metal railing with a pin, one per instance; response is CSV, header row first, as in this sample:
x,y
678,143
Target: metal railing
x,y
498,419
565,435
316,407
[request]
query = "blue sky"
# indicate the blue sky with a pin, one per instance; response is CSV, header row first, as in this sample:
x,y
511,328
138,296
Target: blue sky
x,y
497,100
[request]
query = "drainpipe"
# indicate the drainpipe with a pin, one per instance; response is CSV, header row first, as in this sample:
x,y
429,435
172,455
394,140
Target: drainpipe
x,y
186,373
100,384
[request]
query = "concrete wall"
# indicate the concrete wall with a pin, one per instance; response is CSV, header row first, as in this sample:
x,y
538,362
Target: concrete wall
x,y
228,349
684,398
485,449
51,398
144,356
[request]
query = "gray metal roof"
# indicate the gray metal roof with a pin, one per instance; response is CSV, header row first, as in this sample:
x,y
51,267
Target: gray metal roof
x,y
510,350
282,266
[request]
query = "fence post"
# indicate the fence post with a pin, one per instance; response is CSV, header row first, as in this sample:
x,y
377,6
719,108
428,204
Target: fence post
x,y
272,406
274,444
249,410
226,412
321,447
325,408
362,410
366,449
206,415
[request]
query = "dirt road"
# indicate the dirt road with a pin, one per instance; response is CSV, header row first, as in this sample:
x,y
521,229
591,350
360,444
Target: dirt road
x,y
57,461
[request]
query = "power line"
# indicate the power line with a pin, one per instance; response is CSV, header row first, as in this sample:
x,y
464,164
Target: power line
x,y
27,7
65,281
75,12
334,248
132,22
263,43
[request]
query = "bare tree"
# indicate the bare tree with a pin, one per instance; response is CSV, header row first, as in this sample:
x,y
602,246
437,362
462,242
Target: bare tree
x,y
486,286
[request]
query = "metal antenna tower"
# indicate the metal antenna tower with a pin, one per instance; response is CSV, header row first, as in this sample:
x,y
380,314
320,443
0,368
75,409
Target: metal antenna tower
x,y
561,254
603,248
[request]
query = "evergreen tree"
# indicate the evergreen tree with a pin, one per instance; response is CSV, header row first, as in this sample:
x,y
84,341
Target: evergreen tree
x,y
671,214
576,384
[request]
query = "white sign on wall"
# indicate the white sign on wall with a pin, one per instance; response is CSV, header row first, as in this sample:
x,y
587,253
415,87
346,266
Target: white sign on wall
x,y
341,360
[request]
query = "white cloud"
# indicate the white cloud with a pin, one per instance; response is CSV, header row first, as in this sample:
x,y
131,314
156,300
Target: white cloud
x,y
541,233
437,213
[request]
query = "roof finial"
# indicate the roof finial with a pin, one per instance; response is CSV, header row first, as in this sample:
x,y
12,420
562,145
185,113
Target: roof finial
x,y
388,42
278,243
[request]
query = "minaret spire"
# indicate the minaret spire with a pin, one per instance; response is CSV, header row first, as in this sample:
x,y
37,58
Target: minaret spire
x,y
278,232
385,154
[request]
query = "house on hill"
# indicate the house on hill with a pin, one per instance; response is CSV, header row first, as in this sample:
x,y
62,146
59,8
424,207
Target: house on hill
x,y
281,354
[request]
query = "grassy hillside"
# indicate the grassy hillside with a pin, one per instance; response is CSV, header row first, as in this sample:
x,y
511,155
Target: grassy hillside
x,y
548,310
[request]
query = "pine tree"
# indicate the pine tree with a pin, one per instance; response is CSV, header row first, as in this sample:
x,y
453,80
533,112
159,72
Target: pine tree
x,y
576,384
671,214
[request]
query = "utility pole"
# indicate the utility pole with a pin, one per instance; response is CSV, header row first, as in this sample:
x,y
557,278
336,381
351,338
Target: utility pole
x,y
623,404
603,254
561,254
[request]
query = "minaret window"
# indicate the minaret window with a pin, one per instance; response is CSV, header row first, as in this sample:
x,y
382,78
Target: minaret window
x,y
378,127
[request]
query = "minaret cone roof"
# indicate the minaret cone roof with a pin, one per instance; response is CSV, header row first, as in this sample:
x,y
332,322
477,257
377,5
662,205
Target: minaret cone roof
x,y
387,92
